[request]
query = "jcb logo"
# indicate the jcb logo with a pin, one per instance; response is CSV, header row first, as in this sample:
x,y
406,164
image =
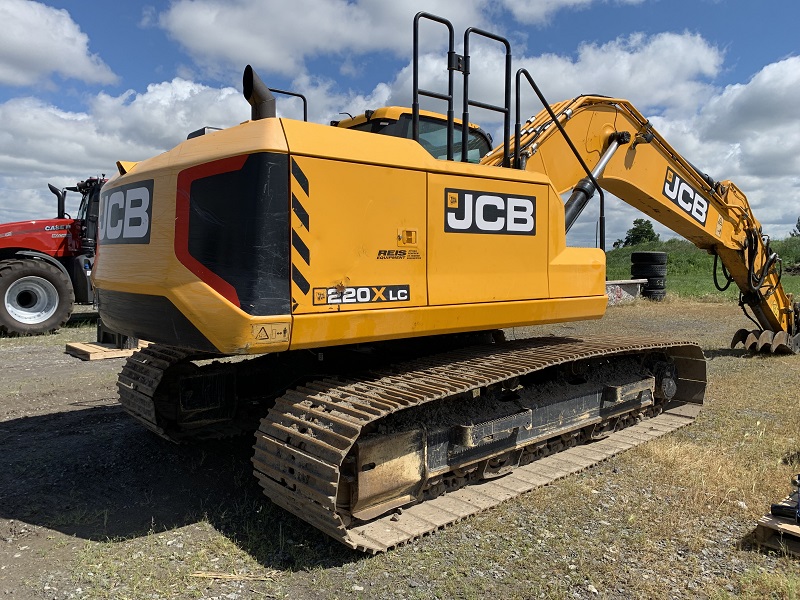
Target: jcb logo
x,y
125,214
685,196
476,212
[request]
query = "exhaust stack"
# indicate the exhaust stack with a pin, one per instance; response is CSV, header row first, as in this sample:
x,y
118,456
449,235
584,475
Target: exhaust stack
x,y
61,195
258,95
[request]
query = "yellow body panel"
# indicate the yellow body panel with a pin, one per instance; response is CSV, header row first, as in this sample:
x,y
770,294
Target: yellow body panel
x,y
353,241
467,268
308,330
366,223
153,269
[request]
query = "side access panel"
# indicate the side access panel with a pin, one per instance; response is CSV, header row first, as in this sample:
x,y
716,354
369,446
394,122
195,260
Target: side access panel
x,y
357,236
490,238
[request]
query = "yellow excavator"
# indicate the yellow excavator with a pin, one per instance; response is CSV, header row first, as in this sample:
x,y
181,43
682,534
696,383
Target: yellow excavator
x,y
342,291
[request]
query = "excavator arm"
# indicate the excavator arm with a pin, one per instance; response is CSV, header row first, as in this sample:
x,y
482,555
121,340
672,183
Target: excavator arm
x,y
630,159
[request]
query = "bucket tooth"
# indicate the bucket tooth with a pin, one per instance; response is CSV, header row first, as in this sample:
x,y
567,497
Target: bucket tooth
x,y
739,337
780,344
751,343
765,339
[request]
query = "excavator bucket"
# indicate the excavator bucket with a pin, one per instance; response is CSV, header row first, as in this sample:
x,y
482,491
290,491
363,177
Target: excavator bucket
x,y
765,341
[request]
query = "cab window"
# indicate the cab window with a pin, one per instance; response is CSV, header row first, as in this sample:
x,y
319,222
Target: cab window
x,y
432,136
84,208
382,126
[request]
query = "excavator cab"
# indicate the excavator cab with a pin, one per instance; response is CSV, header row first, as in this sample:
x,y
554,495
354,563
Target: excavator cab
x,y
433,133
433,130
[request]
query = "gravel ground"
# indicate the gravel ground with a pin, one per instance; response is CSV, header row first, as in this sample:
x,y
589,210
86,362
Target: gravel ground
x,y
93,506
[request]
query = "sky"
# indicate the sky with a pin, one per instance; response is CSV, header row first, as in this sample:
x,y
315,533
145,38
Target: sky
x,y
84,83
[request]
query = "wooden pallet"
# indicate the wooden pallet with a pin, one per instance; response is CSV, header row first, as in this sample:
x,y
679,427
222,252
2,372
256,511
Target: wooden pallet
x,y
99,351
779,533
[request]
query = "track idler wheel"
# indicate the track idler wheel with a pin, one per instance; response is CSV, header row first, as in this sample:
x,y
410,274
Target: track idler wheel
x,y
765,341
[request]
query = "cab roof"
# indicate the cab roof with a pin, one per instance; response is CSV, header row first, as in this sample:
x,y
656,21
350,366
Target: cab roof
x,y
392,113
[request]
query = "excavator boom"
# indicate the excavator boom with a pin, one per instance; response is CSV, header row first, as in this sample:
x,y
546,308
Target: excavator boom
x,y
631,160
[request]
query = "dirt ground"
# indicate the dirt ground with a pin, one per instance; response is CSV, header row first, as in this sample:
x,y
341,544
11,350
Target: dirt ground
x,y
94,506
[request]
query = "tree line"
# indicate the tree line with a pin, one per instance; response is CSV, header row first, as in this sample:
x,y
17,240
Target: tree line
x,y
643,232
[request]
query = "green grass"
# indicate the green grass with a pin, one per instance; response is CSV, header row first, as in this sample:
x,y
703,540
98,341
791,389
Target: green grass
x,y
690,270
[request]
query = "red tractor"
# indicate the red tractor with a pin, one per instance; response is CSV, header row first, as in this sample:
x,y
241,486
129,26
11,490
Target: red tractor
x,y
46,265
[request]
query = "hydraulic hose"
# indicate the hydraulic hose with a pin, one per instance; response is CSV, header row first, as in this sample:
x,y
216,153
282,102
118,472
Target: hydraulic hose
x,y
728,278
756,280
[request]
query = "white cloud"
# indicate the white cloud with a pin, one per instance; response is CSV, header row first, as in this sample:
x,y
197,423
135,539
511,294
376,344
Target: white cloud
x,y
39,41
750,134
539,12
41,143
631,67
149,16
326,103
767,102
163,115
747,133
280,37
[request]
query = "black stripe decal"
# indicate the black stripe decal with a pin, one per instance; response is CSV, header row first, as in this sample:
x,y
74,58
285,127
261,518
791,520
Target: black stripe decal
x,y
300,281
300,176
301,247
300,212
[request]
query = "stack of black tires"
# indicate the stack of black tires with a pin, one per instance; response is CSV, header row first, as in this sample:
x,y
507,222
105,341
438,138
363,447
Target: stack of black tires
x,y
653,267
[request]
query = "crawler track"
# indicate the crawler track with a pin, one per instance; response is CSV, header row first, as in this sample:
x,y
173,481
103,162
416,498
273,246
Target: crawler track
x,y
142,375
306,437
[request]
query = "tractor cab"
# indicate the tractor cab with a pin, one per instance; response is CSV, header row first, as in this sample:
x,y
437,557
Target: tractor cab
x,y
88,211
84,224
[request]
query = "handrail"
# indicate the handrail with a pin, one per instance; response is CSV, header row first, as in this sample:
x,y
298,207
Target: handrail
x,y
452,65
506,109
296,95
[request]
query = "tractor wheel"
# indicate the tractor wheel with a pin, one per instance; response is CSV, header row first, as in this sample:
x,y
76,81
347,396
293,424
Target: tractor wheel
x,y
35,297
